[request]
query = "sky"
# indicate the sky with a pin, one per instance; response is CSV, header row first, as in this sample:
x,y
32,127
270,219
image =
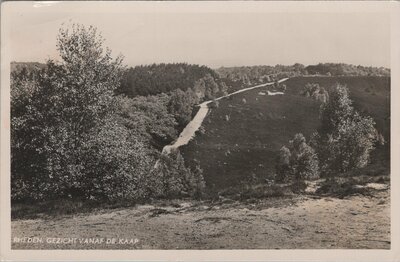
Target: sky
x,y
234,34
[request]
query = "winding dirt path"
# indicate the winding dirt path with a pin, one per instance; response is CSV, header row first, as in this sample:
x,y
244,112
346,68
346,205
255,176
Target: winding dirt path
x,y
189,131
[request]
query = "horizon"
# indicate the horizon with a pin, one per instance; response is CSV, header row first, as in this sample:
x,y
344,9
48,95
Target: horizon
x,y
214,68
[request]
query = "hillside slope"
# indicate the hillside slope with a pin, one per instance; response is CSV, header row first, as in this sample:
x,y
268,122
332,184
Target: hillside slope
x,y
242,136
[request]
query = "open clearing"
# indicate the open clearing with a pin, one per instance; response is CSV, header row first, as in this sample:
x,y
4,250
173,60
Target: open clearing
x,y
303,222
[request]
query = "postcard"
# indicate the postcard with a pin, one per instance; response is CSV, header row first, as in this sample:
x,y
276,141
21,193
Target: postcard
x,y
200,131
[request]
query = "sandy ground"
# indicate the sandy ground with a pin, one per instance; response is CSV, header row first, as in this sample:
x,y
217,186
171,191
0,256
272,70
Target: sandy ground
x,y
305,222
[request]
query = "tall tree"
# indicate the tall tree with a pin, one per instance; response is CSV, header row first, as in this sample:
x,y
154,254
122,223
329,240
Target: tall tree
x,y
60,131
345,138
180,106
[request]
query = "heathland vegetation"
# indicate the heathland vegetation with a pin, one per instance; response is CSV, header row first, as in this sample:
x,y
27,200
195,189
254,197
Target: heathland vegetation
x,y
87,127
241,142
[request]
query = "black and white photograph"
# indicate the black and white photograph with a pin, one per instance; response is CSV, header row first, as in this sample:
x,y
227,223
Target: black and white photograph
x,y
198,126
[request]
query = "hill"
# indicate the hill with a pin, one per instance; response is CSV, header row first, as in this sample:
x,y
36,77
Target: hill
x,y
242,136
162,78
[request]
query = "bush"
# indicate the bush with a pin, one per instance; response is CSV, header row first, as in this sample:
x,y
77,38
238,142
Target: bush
x,y
316,92
297,163
341,187
282,88
214,104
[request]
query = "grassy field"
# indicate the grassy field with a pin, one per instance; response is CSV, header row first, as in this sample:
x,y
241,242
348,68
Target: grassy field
x,y
242,136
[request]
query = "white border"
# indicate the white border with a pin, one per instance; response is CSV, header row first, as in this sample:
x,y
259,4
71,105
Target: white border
x,y
392,8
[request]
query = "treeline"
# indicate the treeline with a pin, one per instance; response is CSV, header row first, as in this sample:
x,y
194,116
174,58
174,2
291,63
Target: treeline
x,y
333,69
260,74
72,136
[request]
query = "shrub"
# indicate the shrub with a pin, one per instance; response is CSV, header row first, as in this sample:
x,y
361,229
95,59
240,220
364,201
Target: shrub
x,y
297,163
316,92
214,104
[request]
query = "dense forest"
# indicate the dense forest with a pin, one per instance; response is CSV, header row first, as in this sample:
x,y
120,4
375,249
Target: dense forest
x,y
162,78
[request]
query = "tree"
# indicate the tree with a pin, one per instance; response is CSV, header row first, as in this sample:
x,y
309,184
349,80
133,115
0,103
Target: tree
x,y
116,165
196,182
211,87
223,89
337,110
180,105
162,78
66,138
304,160
148,116
199,89
316,92
283,164
174,179
297,163
345,138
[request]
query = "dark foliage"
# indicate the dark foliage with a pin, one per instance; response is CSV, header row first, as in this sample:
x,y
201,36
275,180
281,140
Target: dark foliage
x,y
148,117
161,78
